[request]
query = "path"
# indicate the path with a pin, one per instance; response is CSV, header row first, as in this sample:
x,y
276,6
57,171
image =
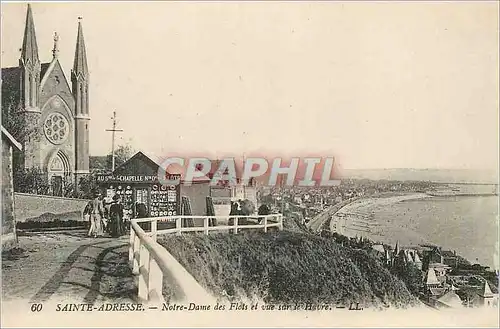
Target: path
x,y
68,266
319,221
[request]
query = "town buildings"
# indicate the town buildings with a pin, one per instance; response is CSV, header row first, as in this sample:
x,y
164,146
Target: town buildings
x,y
447,281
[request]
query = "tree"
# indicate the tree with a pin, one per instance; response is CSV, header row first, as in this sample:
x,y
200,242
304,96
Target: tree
x,y
17,122
122,154
99,163
411,276
69,187
31,180
87,186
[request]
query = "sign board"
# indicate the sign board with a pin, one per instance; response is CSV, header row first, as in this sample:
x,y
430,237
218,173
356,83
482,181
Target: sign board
x,y
165,200
130,178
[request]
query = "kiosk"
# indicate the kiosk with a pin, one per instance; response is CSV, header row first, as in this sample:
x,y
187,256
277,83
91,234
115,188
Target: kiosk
x,y
136,181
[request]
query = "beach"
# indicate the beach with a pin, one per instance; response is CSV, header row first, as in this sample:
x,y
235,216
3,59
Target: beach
x,y
465,224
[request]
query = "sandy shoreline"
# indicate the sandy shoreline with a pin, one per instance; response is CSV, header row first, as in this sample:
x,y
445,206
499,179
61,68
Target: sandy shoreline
x,y
382,231
381,223
369,202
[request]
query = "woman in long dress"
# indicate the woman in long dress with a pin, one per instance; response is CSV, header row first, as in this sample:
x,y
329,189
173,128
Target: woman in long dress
x,y
87,215
116,217
96,217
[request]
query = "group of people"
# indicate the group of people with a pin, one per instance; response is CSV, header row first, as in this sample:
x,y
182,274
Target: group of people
x,y
103,219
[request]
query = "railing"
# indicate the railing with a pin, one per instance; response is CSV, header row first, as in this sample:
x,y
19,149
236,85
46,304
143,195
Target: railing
x,y
151,262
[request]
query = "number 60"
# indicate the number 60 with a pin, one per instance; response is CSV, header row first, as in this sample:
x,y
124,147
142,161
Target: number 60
x,y
37,307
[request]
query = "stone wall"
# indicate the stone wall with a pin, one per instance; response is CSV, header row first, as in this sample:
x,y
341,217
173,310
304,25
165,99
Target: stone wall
x,y
8,222
28,206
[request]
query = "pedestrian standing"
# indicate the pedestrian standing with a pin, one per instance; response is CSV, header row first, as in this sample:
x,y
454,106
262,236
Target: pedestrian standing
x,y
87,215
96,216
116,216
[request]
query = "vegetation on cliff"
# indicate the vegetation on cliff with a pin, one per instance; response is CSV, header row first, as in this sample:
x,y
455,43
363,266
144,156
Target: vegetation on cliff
x,y
285,267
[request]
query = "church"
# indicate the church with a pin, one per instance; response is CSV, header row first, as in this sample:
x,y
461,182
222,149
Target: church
x,y
54,130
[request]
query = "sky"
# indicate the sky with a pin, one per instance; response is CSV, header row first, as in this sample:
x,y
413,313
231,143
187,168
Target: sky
x,y
377,85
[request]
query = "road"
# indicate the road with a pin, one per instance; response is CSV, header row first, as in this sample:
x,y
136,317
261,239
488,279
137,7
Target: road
x,y
68,267
318,222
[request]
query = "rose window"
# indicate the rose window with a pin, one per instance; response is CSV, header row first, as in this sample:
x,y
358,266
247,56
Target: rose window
x,y
56,128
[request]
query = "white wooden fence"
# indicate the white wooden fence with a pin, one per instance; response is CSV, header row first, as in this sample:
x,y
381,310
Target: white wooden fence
x,y
151,262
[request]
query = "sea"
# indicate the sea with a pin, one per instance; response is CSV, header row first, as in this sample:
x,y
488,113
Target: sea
x,y
465,224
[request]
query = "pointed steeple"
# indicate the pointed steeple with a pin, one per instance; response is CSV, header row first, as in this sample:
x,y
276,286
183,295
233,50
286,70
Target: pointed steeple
x,y
29,52
80,63
486,290
396,249
80,91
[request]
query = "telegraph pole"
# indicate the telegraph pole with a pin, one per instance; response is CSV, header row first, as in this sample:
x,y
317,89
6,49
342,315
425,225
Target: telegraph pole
x,y
113,131
282,196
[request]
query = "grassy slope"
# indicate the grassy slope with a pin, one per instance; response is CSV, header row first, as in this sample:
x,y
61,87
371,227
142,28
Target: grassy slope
x,y
285,267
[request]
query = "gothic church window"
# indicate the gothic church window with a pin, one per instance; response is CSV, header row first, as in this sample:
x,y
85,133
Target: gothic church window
x,y
56,128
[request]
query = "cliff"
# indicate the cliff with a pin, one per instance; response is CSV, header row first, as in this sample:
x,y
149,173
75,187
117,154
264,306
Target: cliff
x,y
285,267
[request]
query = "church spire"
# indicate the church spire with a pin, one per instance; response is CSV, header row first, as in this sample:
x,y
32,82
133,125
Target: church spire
x,y
80,86
29,52
80,63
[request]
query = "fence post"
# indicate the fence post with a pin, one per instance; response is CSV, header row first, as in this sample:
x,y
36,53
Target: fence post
x,y
265,224
280,219
131,247
205,224
143,269
154,228
155,291
235,225
178,225
137,246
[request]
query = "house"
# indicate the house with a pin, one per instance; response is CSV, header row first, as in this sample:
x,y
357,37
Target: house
x,y
450,258
431,280
432,256
9,237
486,296
449,300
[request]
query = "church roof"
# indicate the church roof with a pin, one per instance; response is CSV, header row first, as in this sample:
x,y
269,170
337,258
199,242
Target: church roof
x,y
11,83
29,51
45,67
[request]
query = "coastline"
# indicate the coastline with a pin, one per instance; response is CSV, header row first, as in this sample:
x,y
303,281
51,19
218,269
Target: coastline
x,y
381,200
357,219
383,225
